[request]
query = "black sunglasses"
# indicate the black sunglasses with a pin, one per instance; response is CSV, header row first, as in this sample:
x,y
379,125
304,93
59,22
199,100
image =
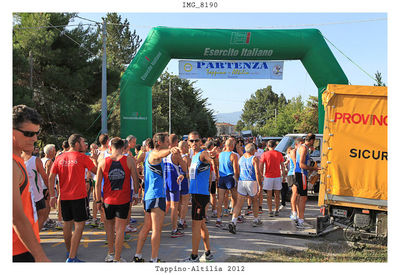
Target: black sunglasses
x,y
193,140
28,133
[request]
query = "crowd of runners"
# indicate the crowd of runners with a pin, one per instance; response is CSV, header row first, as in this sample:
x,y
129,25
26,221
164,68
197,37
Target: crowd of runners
x,y
98,185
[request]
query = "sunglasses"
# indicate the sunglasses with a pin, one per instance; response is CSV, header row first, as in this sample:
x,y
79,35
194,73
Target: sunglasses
x,y
28,133
193,140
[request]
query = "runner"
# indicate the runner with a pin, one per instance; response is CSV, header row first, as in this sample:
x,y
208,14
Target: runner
x,y
294,200
154,196
47,161
171,174
70,168
184,186
26,241
199,188
132,144
37,178
273,162
301,172
116,171
250,184
228,176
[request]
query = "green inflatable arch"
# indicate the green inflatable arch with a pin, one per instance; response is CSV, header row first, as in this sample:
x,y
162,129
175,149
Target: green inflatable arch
x,y
163,44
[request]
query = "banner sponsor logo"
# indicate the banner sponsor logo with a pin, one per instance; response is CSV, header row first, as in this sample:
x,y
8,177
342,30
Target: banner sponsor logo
x,y
231,69
365,119
240,38
251,52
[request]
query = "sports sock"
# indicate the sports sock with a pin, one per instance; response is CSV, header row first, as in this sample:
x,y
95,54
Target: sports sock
x,y
181,221
300,221
234,220
154,260
138,255
218,219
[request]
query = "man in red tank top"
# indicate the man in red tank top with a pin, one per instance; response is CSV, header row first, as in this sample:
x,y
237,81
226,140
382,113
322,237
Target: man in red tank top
x,y
116,170
26,240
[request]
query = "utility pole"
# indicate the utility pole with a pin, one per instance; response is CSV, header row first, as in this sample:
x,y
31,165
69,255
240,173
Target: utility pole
x,y
169,112
31,68
104,83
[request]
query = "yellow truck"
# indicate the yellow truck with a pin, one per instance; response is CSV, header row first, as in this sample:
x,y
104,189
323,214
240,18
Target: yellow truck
x,y
353,178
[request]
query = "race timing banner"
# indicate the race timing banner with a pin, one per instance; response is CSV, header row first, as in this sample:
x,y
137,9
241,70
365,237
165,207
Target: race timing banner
x,y
231,69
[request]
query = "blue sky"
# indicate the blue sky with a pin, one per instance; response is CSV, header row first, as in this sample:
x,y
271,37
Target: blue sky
x,y
361,37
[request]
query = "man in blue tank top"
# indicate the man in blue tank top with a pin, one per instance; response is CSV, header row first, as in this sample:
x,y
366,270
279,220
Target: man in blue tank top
x,y
301,172
250,184
228,176
291,179
199,173
154,196
172,176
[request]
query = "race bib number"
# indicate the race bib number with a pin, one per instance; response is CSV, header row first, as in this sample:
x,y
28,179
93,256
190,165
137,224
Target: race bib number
x,y
192,171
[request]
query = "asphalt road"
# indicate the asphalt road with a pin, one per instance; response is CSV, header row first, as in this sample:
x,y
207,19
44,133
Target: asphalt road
x,y
224,244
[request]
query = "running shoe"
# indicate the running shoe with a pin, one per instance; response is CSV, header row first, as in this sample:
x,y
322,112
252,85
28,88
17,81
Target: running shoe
x,y
130,229
226,212
132,220
109,258
271,214
74,260
176,234
94,223
248,212
303,225
121,260
282,207
100,226
191,260
293,217
209,258
214,215
158,261
232,228
256,223
138,260
180,226
240,219
218,223
59,225
276,213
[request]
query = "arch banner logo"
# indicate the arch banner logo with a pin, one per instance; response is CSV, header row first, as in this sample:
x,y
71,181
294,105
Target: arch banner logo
x,y
231,69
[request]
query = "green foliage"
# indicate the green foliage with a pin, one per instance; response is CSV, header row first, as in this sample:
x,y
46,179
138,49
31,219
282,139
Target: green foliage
x,y
188,110
378,79
268,114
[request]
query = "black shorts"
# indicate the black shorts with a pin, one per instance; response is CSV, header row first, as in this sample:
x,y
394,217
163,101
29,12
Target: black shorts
x,y
76,210
120,211
301,184
24,257
40,204
199,203
45,194
213,188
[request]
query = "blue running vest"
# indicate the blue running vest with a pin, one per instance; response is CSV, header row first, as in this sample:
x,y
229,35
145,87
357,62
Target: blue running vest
x,y
225,164
154,186
246,167
199,176
298,169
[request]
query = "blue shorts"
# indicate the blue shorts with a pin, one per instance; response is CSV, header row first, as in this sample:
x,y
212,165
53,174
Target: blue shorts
x,y
172,196
154,203
227,182
185,187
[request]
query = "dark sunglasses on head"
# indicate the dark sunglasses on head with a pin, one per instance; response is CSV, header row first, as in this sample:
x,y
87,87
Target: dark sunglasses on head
x,y
28,133
193,140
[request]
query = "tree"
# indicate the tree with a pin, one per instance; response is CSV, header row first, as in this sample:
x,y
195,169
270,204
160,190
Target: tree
x,y
261,108
188,110
240,125
309,117
378,79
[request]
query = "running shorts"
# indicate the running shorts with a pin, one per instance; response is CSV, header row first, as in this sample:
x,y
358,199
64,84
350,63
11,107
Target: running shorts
x,y
199,203
301,184
272,183
154,203
184,187
213,188
291,180
120,211
24,257
41,204
172,196
76,210
247,188
227,182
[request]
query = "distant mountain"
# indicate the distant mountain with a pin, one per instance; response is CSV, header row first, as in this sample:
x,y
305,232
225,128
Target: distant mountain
x,y
231,118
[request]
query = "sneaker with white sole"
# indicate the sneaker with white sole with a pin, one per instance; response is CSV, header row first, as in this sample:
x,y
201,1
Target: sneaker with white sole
x,y
218,223
276,213
121,260
256,223
209,258
191,260
232,228
177,233
109,258
293,217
